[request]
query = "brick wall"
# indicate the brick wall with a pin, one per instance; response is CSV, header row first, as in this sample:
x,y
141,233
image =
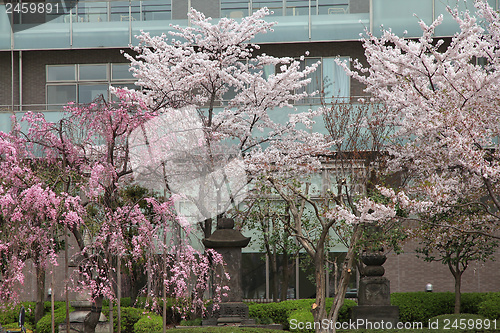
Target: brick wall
x,y
409,273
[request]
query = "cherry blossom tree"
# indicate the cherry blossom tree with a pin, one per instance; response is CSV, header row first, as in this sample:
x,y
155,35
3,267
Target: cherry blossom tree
x,y
237,93
442,99
456,249
33,216
346,203
87,151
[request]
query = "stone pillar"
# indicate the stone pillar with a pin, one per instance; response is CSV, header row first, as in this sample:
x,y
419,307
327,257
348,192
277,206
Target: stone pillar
x,y
228,242
374,295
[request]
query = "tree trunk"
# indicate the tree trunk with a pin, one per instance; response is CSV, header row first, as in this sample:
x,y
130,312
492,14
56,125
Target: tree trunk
x,y
274,268
344,277
458,284
40,293
92,319
286,277
319,307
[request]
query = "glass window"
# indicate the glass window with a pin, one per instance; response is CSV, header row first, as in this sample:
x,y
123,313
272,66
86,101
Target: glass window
x,y
61,73
87,93
121,72
299,7
336,83
88,81
316,82
154,10
92,12
93,72
61,94
120,11
274,6
123,85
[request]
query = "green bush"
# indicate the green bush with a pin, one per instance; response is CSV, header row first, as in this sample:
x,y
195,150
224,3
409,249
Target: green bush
x,y
148,324
47,306
129,316
421,306
280,312
464,321
173,316
490,306
10,313
469,302
15,327
44,325
124,302
301,316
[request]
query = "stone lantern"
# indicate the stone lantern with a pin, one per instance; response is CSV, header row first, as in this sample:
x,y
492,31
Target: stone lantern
x,y
374,294
228,242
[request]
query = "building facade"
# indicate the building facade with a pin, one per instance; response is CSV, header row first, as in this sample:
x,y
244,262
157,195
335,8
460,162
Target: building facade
x,y
55,52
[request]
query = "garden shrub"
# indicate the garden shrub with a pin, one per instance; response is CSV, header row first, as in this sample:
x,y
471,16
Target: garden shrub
x,y
173,316
301,316
469,302
421,306
490,306
124,302
148,324
44,325
15,327
10,314
47,306
280,312
129,316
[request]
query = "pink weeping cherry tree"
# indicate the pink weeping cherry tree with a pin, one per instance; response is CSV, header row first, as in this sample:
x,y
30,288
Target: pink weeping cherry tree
x,y
71,174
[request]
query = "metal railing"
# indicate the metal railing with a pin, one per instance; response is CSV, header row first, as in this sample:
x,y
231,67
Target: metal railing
x,y
150,10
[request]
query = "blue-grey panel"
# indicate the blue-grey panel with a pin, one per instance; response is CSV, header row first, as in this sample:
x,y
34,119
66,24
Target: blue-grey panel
x,y
401,16
4,29
288,29
449,26
101,34
339,27
5,122
44,36
155,28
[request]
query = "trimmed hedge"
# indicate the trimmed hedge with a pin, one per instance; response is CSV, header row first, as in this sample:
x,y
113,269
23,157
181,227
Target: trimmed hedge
x,y
128,317
490,306
148,324
10,314
302,316
281,312
44,325
15,327
124,302
421,306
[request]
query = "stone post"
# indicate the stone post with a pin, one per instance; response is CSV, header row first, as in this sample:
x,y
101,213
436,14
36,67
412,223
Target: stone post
x,y
374,295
